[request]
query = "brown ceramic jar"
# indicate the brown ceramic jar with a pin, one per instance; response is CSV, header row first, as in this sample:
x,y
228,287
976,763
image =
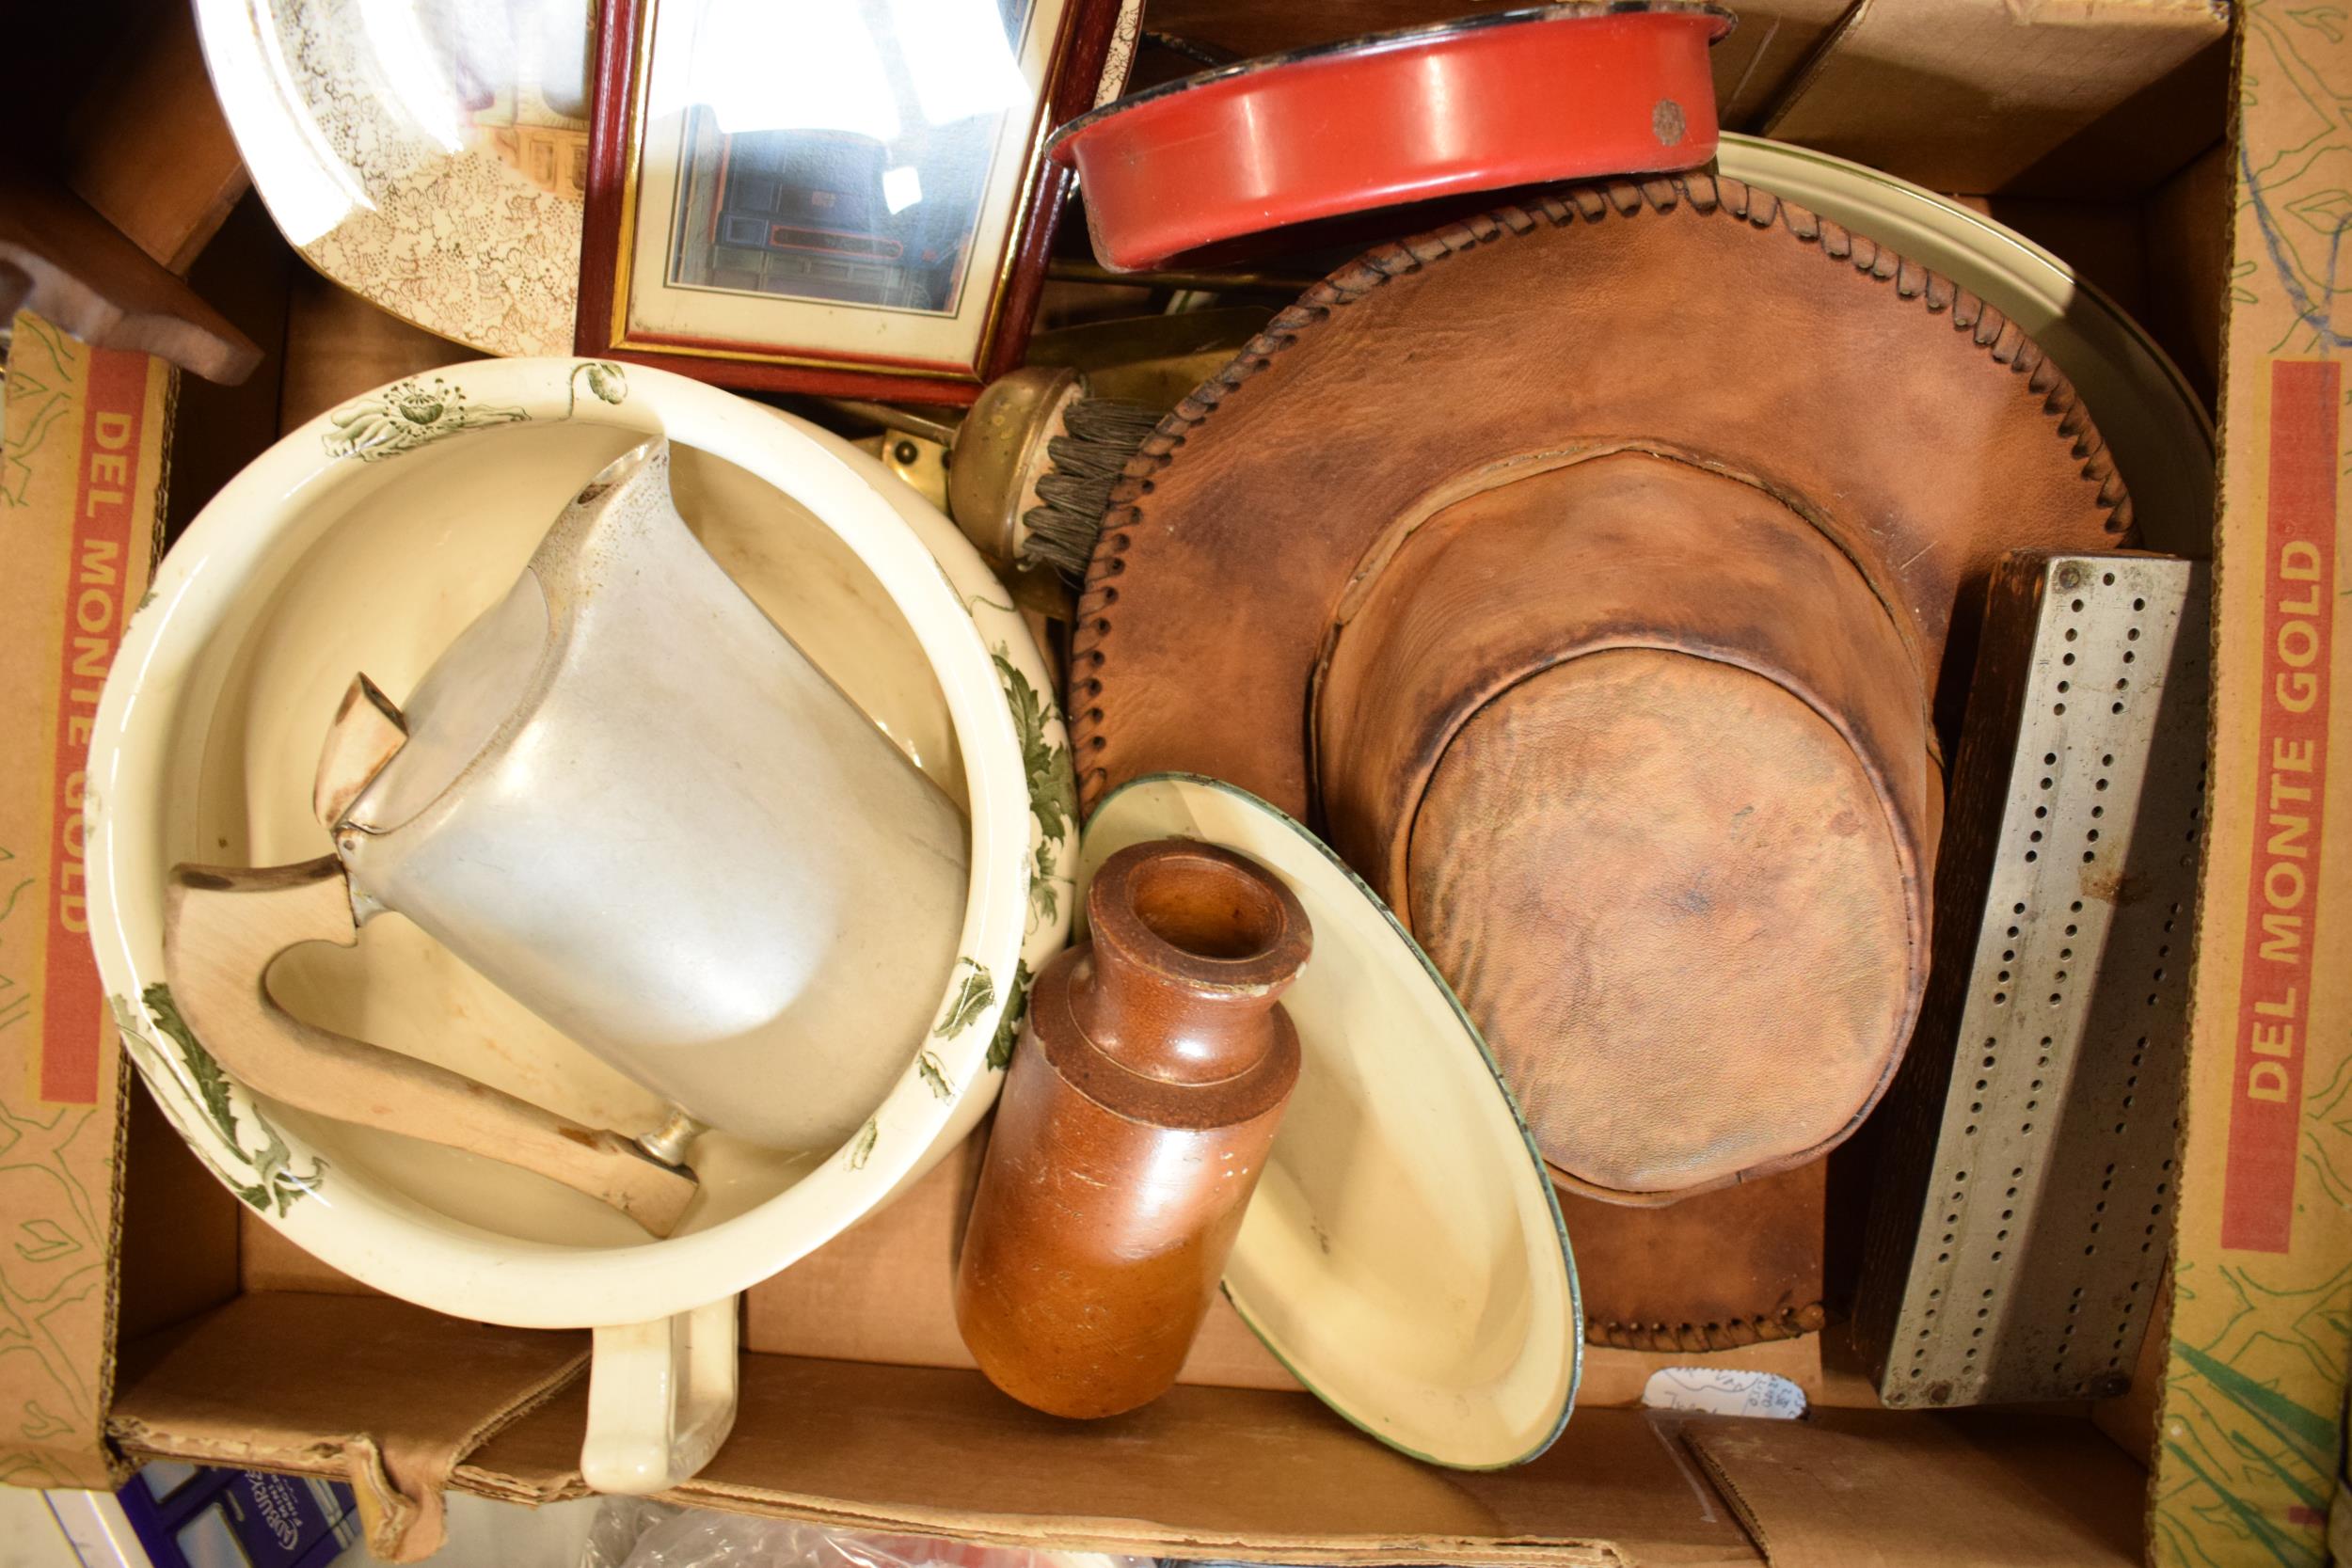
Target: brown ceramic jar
x,y
1150,1076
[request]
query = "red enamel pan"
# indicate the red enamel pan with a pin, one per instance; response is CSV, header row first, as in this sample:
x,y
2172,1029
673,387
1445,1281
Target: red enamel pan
x,y
1486,104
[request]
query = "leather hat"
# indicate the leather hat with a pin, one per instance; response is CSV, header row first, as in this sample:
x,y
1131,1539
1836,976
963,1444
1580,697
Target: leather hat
x,y
1636,751
1589,572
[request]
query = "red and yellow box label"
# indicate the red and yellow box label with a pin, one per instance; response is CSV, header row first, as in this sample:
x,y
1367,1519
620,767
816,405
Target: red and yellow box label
x,y
2251,1424
82,469
2282,871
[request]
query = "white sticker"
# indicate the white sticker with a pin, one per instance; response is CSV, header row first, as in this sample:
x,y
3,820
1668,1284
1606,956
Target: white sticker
x,y
1724,1393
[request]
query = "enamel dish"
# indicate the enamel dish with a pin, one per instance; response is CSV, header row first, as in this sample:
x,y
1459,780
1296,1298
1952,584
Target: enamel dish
x,y
368,539
1404,1256
2152,420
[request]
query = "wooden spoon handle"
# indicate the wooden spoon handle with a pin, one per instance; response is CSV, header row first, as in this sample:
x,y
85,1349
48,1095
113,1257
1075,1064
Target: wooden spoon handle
x,y
224,927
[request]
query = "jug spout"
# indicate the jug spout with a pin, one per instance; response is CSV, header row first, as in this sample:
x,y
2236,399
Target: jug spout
x,y
367,730
645,463
381,769
618,512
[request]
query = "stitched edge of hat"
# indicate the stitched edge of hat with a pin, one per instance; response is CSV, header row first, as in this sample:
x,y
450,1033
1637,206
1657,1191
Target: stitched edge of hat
x,y
1702,195
1790,1323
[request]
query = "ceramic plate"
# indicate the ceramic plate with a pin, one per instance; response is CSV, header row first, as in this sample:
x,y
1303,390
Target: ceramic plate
x,y
1404,1256
429,155
2152,420
367,539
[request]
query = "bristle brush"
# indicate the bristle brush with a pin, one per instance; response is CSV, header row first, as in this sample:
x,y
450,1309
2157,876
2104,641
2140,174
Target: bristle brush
x,y
1033,465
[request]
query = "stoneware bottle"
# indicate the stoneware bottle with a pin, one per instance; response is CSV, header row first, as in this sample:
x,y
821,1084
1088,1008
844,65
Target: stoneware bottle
x,y
1150,1076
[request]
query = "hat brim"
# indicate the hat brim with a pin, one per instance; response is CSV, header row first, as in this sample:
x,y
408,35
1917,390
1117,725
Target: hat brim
x,y
1921,429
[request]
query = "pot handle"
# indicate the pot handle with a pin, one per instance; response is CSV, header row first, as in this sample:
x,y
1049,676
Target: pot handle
x,y
222,930
661,1399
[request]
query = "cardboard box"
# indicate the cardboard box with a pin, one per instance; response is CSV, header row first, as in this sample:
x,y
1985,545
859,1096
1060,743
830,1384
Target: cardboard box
x,y
2252,1417
1987,95
858,1407
81,475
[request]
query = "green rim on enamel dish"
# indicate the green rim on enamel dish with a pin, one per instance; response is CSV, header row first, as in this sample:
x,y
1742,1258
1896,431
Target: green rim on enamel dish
x,y
1173,804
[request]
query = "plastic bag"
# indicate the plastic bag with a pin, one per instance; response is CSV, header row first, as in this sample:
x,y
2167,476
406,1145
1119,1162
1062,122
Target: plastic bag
x,y
631,1532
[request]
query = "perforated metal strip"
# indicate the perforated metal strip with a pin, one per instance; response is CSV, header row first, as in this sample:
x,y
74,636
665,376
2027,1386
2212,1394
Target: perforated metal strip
x,y
2028,1268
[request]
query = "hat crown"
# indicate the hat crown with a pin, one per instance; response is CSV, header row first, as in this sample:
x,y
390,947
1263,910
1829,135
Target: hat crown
x,y
1641,758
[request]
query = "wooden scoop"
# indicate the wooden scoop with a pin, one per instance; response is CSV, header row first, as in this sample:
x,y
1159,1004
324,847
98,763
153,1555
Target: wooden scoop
x,y
223,928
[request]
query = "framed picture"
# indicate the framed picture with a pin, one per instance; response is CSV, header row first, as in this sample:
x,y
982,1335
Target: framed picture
x,y
845,197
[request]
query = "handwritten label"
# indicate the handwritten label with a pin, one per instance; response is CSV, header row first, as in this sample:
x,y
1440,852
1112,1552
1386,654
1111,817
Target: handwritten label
x,y
2282,875
1724,1392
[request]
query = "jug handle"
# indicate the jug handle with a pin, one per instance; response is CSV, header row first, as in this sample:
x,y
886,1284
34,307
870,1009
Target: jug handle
x,y
661,1399
223,928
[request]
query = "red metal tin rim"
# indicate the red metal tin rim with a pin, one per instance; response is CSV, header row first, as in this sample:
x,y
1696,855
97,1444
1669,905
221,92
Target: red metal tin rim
x,y
1059,146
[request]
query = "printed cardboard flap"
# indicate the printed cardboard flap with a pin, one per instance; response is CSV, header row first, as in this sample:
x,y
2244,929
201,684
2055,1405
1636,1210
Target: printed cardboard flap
x,y
1905,88
2252,1414
80,480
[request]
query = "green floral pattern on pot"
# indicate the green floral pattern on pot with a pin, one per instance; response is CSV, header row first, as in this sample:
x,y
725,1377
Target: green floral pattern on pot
x,y
603,377
934,1075
421,410
1053,787
1007,1033
408,415
269,1180
973,996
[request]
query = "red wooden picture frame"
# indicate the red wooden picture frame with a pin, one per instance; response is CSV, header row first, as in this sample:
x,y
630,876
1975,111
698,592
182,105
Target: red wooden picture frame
x,y
1085,42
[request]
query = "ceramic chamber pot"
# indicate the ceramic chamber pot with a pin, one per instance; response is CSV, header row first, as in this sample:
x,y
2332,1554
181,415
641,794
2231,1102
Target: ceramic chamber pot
x,y
368,539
